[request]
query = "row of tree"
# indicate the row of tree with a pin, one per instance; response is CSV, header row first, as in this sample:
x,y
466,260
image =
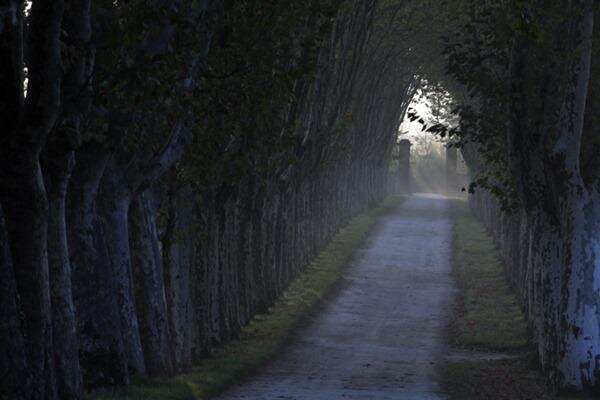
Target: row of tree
x,y
167,167
527,84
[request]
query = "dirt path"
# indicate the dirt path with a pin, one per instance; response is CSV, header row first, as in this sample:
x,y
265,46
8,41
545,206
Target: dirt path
x,y
382,335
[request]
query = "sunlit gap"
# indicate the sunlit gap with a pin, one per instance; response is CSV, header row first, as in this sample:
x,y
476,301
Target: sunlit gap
x,y
429,169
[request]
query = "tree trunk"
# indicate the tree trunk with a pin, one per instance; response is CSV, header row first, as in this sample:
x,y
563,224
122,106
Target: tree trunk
x,y
579,307
179,257
58,165
149,285
579,326
101,349
23,198
114,205
14,375
26,123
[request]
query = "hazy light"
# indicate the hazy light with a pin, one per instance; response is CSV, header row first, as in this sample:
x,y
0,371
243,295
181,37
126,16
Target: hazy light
x,y
428,153
413,131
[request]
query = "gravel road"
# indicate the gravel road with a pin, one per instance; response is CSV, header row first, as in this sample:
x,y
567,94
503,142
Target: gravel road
x,y
382,335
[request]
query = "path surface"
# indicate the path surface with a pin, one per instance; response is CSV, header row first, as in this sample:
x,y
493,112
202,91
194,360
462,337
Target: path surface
x,y
382,335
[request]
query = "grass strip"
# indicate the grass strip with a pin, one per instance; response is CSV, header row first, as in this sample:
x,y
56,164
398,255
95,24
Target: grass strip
x,y
264,336
487,318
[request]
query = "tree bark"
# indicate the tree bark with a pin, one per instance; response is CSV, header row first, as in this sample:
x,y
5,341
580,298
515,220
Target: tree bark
x,y
58,165
22,191
115,201
101,347
579,307
179,257
149,285
14,373
25,205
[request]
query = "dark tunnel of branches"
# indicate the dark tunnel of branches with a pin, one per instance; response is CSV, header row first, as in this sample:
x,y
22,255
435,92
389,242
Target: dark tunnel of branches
x,y
168,167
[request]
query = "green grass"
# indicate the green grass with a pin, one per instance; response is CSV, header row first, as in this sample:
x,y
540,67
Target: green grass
x,y
487,318
510,379
488,315
266,333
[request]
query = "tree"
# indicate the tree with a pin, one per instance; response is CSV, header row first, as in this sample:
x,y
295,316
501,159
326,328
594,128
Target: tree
x,y
27,121
531,79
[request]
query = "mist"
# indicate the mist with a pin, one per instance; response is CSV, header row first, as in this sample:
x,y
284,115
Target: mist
x,y
431,171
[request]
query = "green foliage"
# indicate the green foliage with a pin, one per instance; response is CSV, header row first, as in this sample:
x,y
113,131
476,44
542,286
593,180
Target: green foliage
x,y
145,52
478,59
512,62
261,54
264,336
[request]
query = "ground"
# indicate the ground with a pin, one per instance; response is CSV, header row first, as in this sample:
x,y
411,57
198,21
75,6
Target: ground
x,y
383,334
267,333
487,318
422,311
